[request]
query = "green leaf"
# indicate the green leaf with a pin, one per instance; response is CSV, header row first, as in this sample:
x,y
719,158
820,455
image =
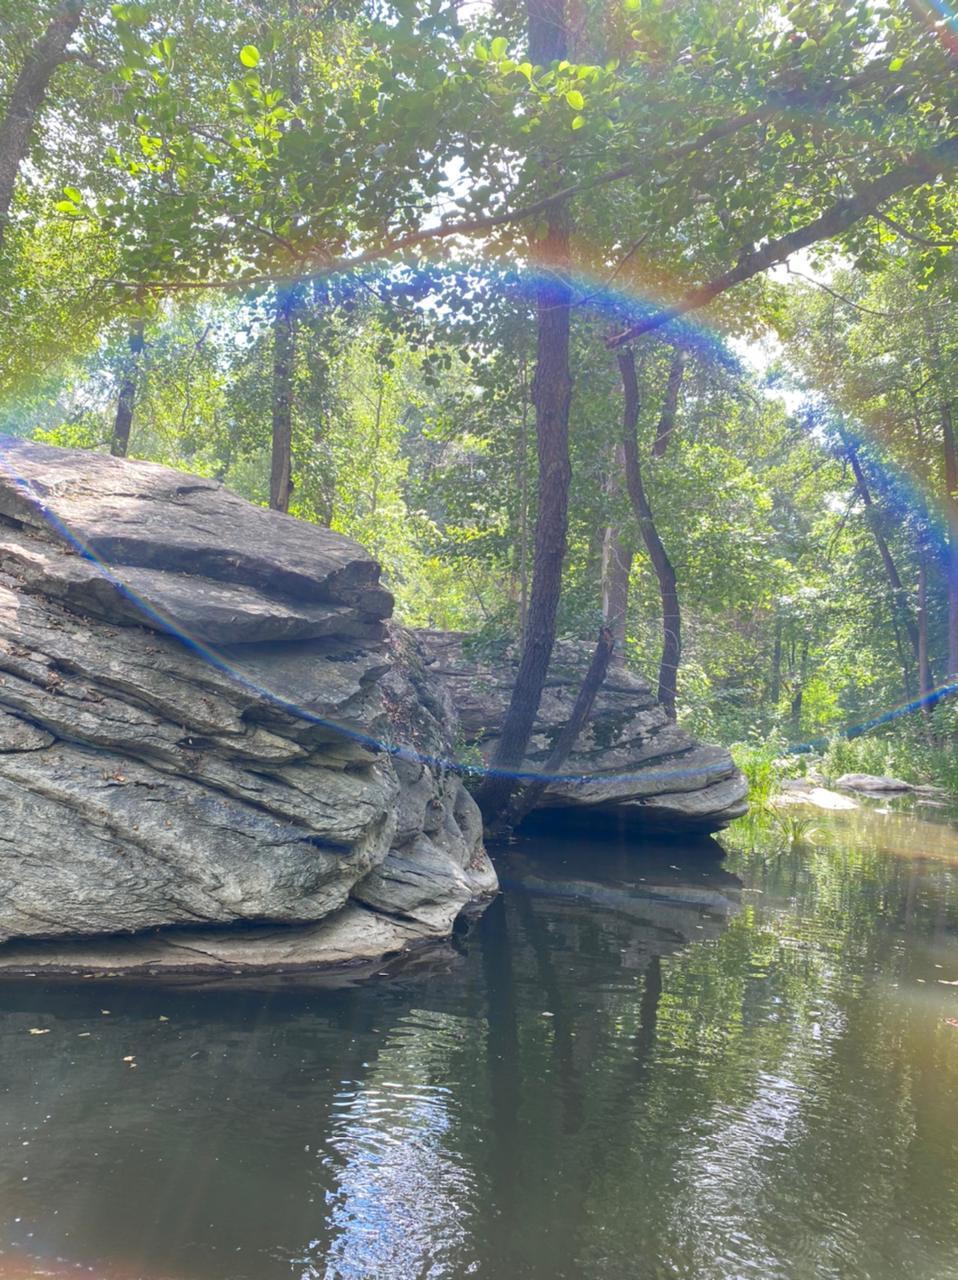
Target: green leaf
x,y
575,99
481,52
499,46
896,64
249,55
71,193
578,122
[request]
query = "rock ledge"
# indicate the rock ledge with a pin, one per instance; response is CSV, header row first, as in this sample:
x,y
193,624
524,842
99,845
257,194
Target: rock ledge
x,y
194,697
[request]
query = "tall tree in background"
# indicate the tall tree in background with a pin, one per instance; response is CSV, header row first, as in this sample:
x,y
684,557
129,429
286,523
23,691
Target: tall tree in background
x,y
661,563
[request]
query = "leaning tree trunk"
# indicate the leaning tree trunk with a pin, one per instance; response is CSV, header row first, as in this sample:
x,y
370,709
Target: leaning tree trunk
x,y
126,398
27,97
664,571
284,359
552,394
900,606
526,799
616,554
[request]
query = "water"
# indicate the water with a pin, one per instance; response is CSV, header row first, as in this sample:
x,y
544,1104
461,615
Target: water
x,y
632,1067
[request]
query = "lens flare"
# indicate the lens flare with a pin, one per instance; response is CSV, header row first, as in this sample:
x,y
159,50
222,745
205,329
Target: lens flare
x,y
607,303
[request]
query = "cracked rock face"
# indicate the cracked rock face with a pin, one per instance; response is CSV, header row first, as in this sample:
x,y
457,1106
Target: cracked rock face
x,y
632,763
193,696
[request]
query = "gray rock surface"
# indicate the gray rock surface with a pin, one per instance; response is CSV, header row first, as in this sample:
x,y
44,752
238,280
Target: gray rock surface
x,y
632,763
872,782
197,700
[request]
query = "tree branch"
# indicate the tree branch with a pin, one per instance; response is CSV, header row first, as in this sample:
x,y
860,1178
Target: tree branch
x,y
919,170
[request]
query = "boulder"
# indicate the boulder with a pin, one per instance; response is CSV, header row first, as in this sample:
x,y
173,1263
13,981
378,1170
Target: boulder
x,y
632,763
807,791
872,782
203,727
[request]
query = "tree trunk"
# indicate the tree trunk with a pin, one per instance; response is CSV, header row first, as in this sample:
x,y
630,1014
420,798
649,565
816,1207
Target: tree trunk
x,y
523,498
616,565
666,423
900,606
776,683
951,508
552,395
924,669
528,797
126,399
664,571
27,96
798,693
284,356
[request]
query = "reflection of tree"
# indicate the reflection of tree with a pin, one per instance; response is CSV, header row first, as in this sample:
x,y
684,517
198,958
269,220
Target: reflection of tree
x,y
400,1193
713,1095
502,1067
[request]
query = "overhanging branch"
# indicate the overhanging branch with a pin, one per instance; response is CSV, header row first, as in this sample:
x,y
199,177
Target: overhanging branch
x,y
915,172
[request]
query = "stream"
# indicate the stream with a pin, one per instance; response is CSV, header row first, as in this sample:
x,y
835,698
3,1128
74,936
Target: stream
x,y
637,1064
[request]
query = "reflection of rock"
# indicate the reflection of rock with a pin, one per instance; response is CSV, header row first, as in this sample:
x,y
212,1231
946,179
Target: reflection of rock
x,y
660,911
148,781
413,1125
635,764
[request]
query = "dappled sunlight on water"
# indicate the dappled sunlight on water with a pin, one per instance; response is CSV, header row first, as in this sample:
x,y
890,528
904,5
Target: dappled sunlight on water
x,y
640,1063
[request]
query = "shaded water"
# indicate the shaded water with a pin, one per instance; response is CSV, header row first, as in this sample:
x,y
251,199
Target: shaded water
x,y
632,1067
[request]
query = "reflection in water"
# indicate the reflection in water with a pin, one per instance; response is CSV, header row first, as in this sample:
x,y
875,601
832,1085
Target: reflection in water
x,y
638,1066
401,1196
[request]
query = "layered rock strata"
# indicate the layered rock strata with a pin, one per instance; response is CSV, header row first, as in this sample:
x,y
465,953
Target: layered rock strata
x,y
632,763
200,702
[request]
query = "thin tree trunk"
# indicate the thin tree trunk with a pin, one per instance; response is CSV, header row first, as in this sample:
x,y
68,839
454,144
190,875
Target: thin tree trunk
x,y
666,423
900,605
903,661
664,571
616,565
523,498
776,689
924,669
951,508
284,356
798,693
528,797
126,399
27,97
552,395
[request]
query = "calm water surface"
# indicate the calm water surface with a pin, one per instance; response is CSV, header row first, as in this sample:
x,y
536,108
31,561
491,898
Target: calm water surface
x,y
633,1066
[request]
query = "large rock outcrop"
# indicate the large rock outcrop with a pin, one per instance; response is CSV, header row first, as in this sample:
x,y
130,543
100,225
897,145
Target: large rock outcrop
x,y
199,706
632,764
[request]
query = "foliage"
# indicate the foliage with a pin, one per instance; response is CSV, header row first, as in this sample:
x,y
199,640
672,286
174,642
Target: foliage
x,y
196,163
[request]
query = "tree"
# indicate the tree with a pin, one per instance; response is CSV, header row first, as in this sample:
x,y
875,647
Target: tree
x,y
28,94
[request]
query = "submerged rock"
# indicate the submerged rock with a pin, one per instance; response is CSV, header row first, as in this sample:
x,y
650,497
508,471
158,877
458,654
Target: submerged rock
x,y
195,700
632,763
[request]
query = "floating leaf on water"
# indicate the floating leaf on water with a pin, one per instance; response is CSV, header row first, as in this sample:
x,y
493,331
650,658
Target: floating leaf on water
x,y
39,1031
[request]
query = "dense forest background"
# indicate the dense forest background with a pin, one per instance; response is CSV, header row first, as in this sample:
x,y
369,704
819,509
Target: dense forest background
x,y
637,314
